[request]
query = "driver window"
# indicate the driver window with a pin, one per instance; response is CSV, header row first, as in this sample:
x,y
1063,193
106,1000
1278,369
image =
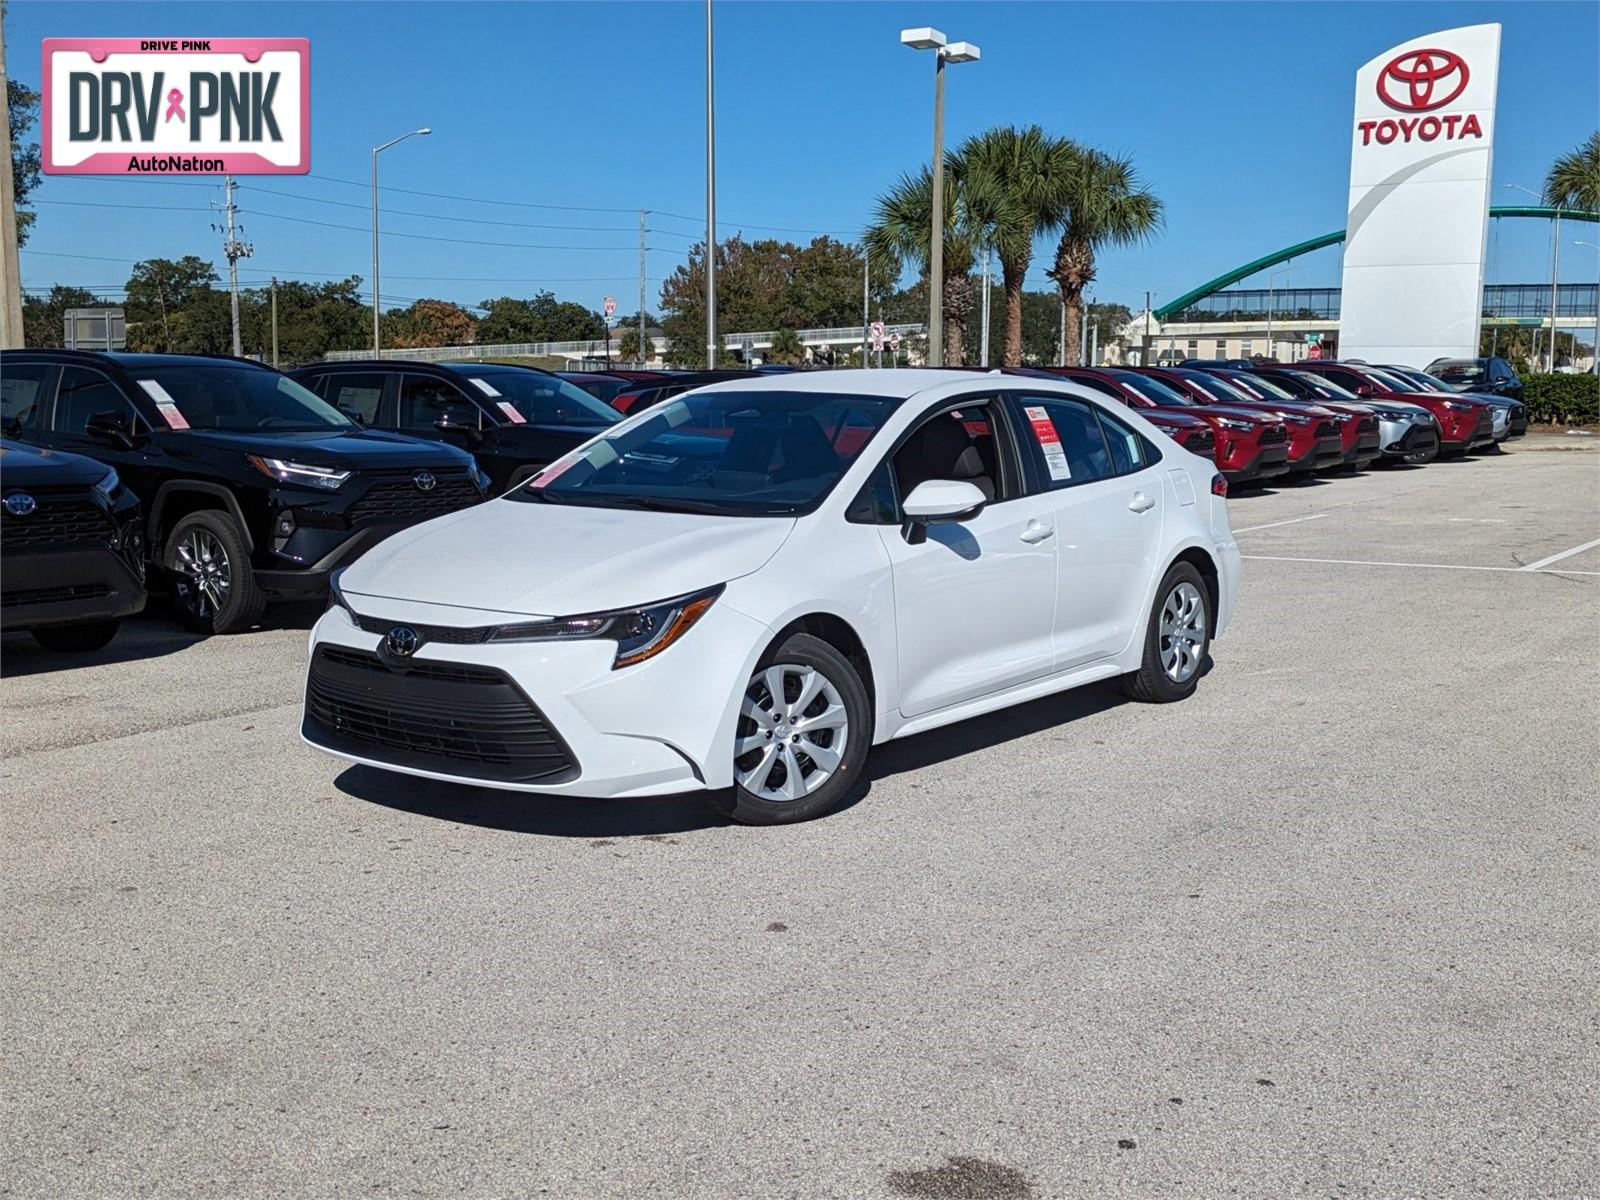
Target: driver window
x,y
423,401
361,394
85,393
957,444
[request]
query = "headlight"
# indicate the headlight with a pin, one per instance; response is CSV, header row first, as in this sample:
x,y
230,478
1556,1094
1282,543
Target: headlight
x,y
285,471
1241,426
1455,405
1295,419
640,633
1344,418
108,484
480,477
1389,414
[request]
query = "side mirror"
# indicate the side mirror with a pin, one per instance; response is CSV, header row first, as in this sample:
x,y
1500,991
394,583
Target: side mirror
x,y
940,502
1365,389
109,427
459,421
353,413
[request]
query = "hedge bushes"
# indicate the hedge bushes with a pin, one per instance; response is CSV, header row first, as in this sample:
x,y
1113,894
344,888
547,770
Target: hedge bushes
x,y
1562,399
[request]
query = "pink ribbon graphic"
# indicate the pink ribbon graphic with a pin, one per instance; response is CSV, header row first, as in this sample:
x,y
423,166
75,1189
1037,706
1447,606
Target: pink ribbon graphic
x,y
175,105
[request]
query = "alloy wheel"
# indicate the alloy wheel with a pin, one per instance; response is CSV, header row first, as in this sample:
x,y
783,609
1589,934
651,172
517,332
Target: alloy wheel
x,y
1183,632
202,573
791,734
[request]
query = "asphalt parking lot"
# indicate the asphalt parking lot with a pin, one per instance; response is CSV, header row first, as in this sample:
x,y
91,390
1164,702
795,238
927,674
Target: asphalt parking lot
x,y
1328,929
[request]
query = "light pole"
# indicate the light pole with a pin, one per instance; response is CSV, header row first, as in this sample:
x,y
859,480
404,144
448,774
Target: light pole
x,y
927,38
1594,368
377,307
1555,264
1271,275
711,205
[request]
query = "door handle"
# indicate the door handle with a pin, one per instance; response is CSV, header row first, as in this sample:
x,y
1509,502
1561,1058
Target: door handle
x,y
1033,532
1141,503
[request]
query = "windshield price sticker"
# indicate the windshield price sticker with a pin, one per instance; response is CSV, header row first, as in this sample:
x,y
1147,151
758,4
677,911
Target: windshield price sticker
x,y
165,404
1044,430
485,387
508,408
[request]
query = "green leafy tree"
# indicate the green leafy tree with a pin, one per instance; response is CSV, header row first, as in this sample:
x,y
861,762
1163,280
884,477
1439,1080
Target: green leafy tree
x,y
1018,184
1106,206
541,319
44,317
901,233
631,348
786,347
159,292
1574,178
22,107
430,323
313,318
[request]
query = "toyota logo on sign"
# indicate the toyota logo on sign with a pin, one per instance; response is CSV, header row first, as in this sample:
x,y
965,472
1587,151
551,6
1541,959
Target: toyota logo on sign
x,y
1422,80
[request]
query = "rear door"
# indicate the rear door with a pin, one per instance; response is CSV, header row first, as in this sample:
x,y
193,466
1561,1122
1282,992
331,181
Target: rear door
x,y
1104,482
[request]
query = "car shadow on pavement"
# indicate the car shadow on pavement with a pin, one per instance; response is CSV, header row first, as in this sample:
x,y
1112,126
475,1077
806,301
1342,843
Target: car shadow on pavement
x,y
579,817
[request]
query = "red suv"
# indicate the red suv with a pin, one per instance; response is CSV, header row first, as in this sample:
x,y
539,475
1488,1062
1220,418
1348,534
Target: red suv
x,y
1464,423
1358,423
1193,433
1314,440
1248,447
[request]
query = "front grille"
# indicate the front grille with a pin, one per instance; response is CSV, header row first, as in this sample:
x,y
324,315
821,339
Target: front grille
x,y
1202,441
1367,425
1274,434
455,635
1327,429
390,500
455,718
57,521
54,595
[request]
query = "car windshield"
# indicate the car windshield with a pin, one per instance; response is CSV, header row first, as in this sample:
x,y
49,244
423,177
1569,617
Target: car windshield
x,y
1216,388
1392,382
727,453
1421,379
604,388
228,396
1275,390
1153,390
541,399
1457,374
1325,386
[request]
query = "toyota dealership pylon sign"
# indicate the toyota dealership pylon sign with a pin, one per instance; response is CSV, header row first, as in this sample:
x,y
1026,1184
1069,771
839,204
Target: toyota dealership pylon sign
x,y
1421,157
177,106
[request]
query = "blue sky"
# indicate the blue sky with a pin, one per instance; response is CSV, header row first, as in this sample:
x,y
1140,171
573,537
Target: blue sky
x,y
1236,114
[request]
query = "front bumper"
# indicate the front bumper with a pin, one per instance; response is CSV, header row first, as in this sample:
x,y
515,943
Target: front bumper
x,y
310,582
1308,452
663,726
1269,461
1363,448
68,586
1412,441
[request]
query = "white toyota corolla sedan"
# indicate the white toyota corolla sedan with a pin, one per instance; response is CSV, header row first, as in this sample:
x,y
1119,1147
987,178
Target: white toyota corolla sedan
x,y
747,588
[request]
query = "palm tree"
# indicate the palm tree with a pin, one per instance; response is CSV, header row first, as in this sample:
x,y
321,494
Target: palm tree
x,y
1574,178
1107,206
903,233
1018,183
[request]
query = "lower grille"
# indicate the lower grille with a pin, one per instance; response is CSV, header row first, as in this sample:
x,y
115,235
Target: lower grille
x,y
455,718
57,521
54,595
1273,434
402,500
1202,442
1327,429
1367,425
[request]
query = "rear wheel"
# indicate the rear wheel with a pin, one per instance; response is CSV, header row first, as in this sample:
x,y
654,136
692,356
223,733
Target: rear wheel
x,y
211,576
803,734
1176,640
76,639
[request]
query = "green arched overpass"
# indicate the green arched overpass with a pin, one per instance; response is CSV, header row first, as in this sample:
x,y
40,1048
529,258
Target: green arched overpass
x,y
1331,239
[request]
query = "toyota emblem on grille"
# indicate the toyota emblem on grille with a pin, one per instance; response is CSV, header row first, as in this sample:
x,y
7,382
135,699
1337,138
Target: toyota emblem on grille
x,y
424,481
402,641
20,504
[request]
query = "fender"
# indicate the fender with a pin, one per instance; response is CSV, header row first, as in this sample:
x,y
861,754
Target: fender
x,y
229,502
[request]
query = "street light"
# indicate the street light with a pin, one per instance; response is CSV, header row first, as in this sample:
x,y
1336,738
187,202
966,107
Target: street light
x,y
1595,368
927,38
1555,264
377,307
1271,275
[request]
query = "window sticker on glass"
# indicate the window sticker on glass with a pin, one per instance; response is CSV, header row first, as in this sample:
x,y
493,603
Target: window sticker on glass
x,y
1044,430
165,404
485,387
509,410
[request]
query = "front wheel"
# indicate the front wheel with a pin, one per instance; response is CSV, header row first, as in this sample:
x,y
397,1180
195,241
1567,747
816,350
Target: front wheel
x,y
212,580
1176,640
803,734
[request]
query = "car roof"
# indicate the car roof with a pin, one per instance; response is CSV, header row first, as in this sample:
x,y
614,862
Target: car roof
x,y
478,367
899,383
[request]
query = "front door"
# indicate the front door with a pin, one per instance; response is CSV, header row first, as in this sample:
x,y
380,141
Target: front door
x,y
975,601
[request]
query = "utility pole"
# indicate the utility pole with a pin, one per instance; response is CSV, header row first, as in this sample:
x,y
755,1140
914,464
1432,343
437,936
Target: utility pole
x,y
983,341
1094,347
1061,341
866,300
1083,334
1144,351
1555,274
711,203
936,230
233,250
10,270
644,348
274,322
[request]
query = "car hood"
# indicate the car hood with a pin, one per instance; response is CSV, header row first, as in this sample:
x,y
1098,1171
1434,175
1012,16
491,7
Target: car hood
x,y
1259,415
513,556
24,466
364,449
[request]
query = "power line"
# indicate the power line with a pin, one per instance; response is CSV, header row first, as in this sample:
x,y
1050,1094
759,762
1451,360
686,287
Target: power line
x,y
431,237
287,273
401,212
157,207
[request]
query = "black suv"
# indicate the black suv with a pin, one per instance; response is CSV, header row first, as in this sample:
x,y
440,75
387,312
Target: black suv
x,y
1477,375
253,488
512,419
71,547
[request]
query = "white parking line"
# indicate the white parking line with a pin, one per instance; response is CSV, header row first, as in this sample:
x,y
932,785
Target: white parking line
x,y
1275,524
1363,562
1545,562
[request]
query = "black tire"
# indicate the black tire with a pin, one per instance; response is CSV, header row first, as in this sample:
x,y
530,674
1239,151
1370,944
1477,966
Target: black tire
x,y
803,652
76,639
518,477
1151,683
217,608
